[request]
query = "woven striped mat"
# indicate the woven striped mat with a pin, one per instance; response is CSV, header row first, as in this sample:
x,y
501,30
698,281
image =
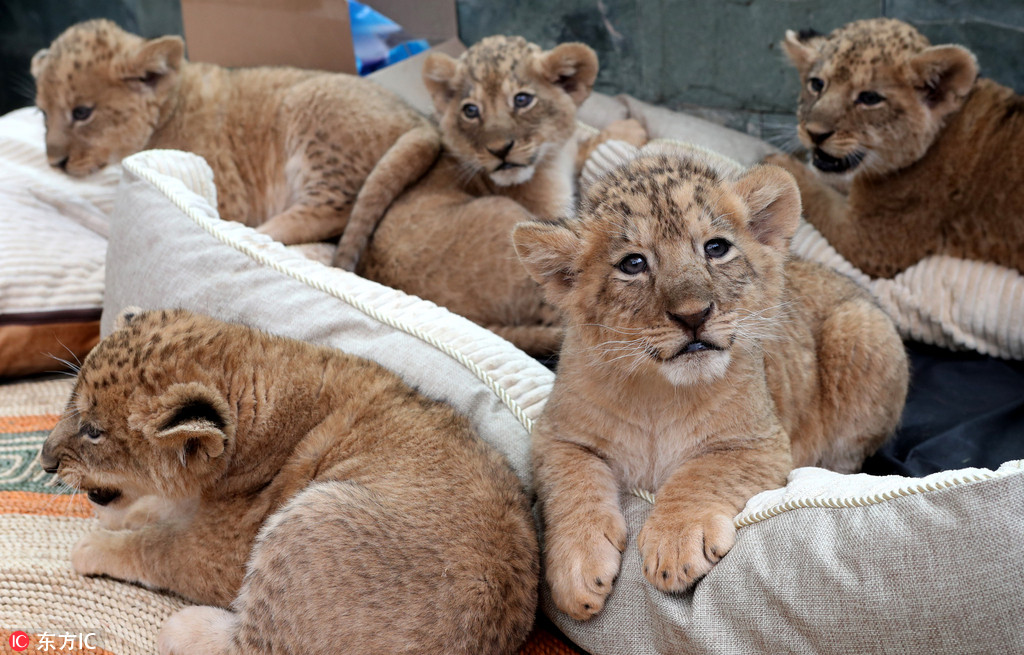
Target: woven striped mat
x,y
44,604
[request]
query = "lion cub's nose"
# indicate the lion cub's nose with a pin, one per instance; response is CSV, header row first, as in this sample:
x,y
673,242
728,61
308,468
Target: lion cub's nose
x,y
819,137
694,320
502,151
47,461
61,164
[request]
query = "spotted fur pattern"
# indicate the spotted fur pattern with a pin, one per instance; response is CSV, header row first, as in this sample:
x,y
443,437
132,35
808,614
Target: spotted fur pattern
x,y
301,154
925,149
316,493
699,363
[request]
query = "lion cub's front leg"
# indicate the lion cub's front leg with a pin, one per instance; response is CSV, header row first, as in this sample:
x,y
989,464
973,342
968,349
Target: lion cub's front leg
x,y
113,550
202,558
101,553
691,526
585,532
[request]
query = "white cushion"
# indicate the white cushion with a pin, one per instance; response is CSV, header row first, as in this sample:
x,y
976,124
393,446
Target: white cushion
x,y
839,564
52,246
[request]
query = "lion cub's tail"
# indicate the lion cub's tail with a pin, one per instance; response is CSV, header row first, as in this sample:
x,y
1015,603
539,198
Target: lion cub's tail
x,y
405,162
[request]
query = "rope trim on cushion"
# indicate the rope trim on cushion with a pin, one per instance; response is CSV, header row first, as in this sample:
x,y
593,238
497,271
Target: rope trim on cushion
x,y
138,168
911,487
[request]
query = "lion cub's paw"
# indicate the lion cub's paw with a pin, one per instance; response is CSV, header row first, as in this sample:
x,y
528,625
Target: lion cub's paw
x,y
197,630
583,565
93,553
346,257
629,130
679,550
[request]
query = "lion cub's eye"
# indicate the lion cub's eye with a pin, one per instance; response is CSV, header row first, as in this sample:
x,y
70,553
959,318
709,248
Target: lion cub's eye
x,y
91,432
869,98
716,248
470,111
522,100
81,113
633,264
816,84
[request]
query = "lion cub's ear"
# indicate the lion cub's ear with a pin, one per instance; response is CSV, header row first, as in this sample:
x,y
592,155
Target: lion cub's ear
x,y
155,60
193,421
773,200
572,66
945,74
438,72
126,316
800,48
38,60
549,251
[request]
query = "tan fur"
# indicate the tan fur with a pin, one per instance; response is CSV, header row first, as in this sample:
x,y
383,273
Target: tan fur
x,y
938,170
364,517
702,378
447,239
301,154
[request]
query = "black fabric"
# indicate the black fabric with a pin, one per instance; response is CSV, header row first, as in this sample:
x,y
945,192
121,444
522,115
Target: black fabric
x,y
963,410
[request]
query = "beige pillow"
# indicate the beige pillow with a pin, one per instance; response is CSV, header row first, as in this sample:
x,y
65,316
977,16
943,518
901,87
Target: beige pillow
x,y
839,564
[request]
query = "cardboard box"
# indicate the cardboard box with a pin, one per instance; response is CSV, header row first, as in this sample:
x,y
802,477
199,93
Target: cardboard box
x,y
303,33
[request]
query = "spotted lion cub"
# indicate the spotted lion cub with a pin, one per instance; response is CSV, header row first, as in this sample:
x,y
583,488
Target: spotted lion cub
x,y
507,114
301,154
700,363
316,493
929,151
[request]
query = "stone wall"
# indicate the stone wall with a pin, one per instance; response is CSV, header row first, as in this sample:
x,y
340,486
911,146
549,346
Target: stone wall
x,y
719,58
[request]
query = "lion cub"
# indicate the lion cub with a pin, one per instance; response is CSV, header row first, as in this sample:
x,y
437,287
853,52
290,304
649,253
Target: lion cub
x,y
331,505
301,154
930,152
507,113
699,362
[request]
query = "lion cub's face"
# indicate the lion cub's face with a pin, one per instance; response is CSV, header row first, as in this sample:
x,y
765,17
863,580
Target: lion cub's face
x,y
875,94
670,266
505,105
145,416
101,90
